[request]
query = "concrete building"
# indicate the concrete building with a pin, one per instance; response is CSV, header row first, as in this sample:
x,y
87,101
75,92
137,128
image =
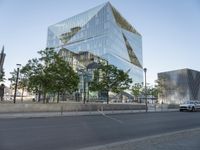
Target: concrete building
x,y
179,86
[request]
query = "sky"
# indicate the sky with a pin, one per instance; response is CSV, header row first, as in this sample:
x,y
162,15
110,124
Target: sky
x,y
170,29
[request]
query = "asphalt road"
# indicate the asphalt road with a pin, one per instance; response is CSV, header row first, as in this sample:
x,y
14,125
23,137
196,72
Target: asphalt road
x,y
62,133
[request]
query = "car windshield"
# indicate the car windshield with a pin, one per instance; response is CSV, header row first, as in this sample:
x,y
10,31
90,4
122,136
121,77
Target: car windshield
x,y
188,102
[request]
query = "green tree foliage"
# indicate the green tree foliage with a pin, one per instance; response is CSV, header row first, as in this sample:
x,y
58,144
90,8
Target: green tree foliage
x,y
109,78
22,82
49,74
160,87
154,92
2,75
12,79
33,70
65,79
137,90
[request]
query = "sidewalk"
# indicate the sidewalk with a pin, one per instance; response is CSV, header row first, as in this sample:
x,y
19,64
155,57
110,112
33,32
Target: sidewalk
x,y
179,140
75,113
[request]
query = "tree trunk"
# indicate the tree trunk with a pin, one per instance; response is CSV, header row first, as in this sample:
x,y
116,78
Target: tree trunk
x,y
121,96
107,92
63,97
44,98
137,99
54,97
22,95
58,97
47,99
39,96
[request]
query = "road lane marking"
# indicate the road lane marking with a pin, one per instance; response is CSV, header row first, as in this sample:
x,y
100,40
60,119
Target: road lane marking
x,y
114,119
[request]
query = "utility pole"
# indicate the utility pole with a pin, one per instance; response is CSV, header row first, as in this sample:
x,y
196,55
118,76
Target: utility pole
x,y
84,79
84,88
145,84
14,100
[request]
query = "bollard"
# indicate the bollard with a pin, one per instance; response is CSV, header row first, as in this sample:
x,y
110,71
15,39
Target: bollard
x,y
61,110
102,108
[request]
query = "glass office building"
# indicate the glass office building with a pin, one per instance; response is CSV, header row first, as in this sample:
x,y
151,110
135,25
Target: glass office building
x,y
104,33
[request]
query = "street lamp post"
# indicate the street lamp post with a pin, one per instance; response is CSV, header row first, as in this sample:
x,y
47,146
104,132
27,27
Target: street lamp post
x,y
84,88
145,84
107,78
84,79
14,99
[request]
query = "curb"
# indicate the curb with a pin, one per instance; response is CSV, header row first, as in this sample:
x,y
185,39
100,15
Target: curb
x,y
83,113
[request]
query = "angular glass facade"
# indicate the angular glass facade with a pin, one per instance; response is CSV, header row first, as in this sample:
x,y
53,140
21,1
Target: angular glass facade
x,y
103,32
179,86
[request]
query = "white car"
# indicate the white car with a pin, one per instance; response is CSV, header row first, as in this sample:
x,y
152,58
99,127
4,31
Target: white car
x,y
190,106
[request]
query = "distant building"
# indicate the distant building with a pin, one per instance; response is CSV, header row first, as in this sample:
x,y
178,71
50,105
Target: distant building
x,y
179,86
2,58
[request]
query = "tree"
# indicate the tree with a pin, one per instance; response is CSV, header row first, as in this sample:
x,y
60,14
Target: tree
x,y
109,78
50,74
154,93
23,81
63,75
160,87
137,90
13,77
33,70
2,75
22,85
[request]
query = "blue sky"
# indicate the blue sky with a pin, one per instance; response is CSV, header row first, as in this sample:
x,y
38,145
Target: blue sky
x,y
170,29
